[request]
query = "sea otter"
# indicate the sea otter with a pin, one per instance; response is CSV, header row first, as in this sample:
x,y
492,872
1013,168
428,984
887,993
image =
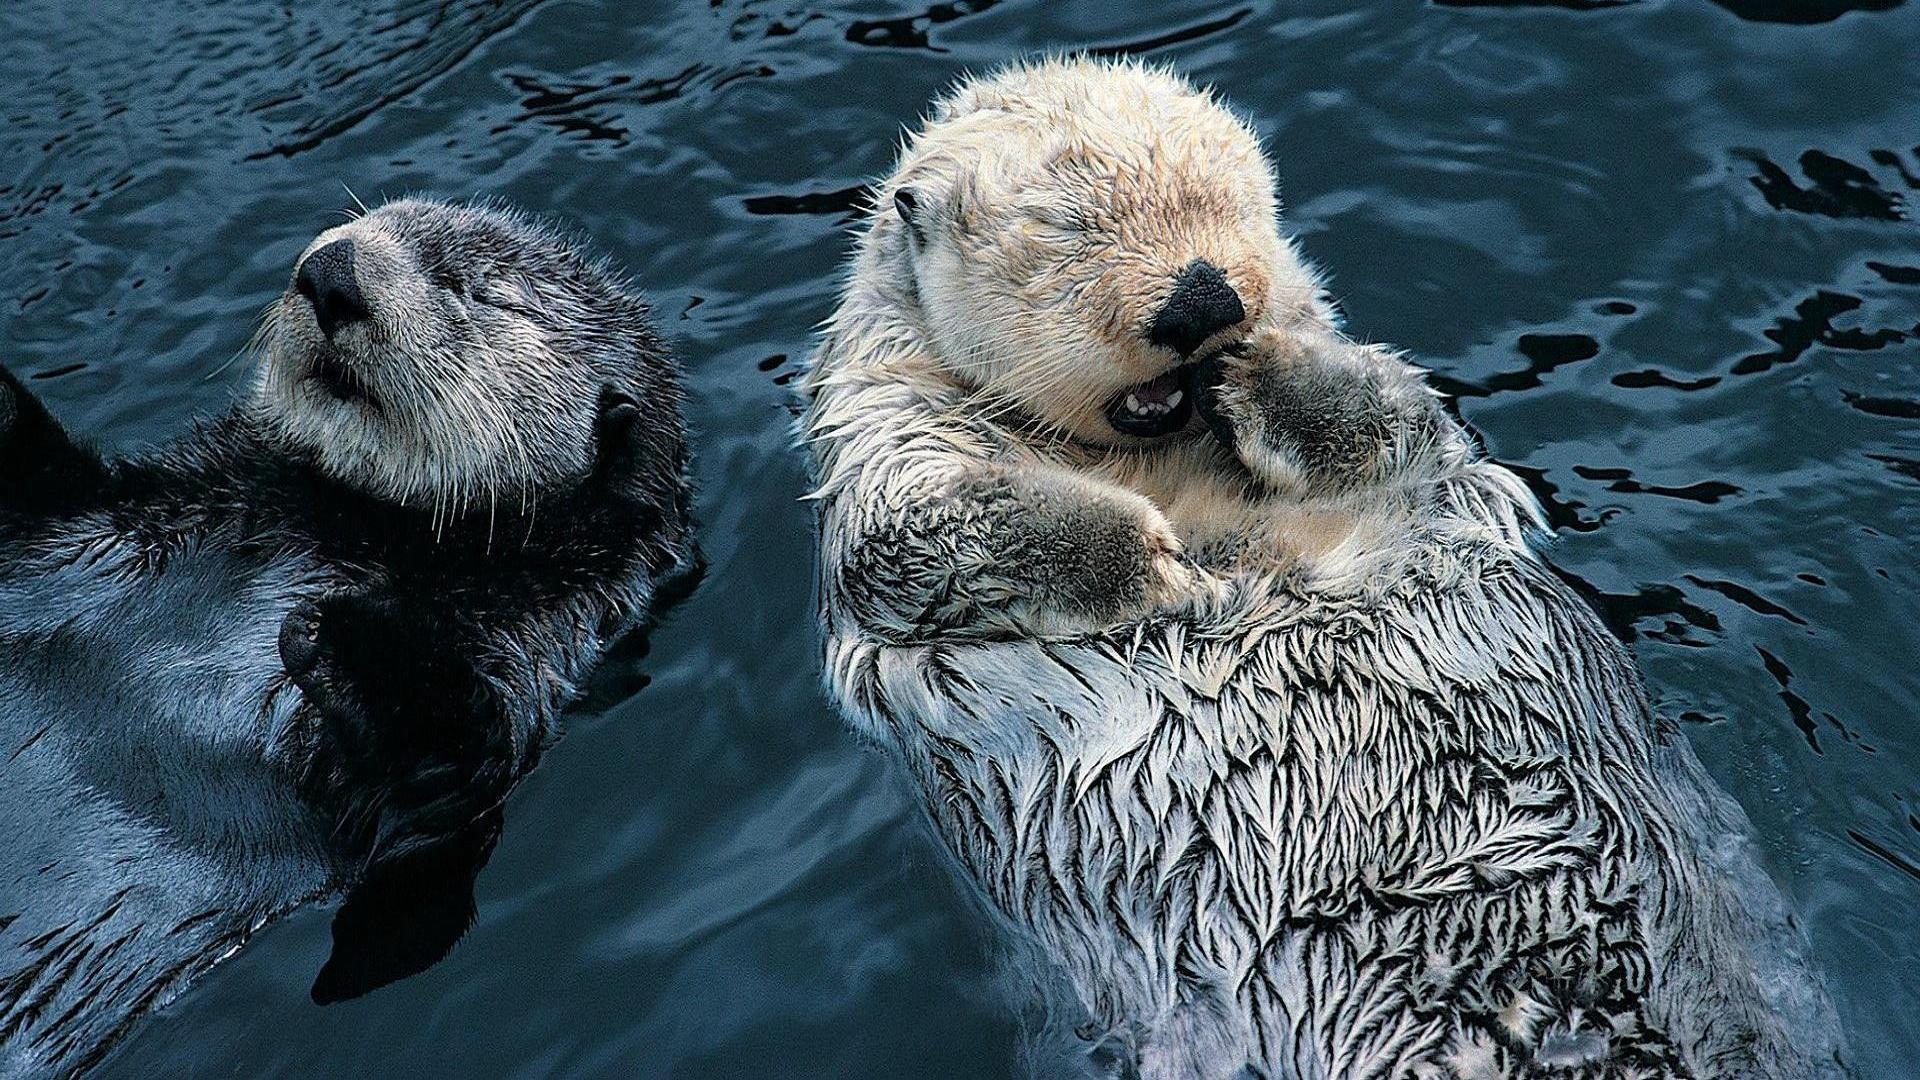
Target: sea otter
x,y
310,646
1223,660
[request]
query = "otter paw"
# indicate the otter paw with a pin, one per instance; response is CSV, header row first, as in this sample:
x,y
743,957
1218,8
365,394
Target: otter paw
x,y
317,650
407,744
1172,578
327,645
1315,414
1100,553
300,640
41,468
19,444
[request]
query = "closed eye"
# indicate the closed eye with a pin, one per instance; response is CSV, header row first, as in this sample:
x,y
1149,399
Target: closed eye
x,y
447,280
1061,219
505,297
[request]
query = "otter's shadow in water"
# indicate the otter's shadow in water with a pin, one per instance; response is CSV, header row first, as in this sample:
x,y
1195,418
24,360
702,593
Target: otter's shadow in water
x,y
406,914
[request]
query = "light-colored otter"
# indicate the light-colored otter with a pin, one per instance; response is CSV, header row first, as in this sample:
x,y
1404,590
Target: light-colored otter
x,y
1261,720
310,647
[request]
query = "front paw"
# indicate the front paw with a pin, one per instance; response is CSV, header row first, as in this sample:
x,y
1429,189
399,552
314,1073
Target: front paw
x,y
405,743
1311,413
300,651
1172,576
322,644
1097,553
352,654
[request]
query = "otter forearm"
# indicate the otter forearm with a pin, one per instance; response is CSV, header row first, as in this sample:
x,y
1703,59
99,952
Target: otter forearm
x,y
420,728
994,550
41,467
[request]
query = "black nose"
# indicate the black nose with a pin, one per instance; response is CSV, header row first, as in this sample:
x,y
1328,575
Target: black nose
x,y
325,278
1202,305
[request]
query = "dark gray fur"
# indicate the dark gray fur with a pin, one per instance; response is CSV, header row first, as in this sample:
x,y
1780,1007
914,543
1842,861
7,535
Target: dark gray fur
x,y
1006,539
1343,418
231,681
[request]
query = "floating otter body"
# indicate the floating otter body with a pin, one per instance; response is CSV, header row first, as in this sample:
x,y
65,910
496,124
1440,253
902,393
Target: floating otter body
x,y
311,646
1220,656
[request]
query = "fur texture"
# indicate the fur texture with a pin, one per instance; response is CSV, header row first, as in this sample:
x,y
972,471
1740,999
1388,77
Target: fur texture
x,y
310,646
1273,734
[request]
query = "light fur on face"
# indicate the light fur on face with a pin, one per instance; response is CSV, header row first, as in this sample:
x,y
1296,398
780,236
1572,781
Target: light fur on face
x,y
486,342
1046,219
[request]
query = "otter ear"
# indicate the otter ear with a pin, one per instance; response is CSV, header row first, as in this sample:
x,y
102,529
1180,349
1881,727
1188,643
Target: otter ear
x,y
616,434
906,202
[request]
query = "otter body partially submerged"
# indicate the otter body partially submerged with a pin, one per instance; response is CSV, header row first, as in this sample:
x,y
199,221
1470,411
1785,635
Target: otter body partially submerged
x,y
311,646
1220,655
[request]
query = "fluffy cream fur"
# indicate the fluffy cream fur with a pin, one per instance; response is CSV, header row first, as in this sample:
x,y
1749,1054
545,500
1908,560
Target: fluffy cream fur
x,y
1053,216
1293,757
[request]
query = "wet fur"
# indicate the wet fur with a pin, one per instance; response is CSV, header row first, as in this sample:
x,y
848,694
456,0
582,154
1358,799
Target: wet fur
x,y
235,678
1353,784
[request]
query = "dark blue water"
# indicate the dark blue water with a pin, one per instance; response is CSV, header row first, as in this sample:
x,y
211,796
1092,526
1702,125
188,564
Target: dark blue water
x,y
1665,252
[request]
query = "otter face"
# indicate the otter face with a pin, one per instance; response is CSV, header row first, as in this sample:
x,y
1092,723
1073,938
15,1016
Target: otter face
x,y
448,356
1078,233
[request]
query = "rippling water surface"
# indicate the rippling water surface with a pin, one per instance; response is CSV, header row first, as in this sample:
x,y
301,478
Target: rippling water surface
x,y
1664,252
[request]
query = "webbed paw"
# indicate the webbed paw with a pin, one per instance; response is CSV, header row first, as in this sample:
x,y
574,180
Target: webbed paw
x,y
1312,413
10,391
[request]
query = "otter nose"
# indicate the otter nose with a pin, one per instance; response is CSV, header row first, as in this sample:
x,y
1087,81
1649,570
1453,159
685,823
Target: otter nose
x,y
325,278
1202,305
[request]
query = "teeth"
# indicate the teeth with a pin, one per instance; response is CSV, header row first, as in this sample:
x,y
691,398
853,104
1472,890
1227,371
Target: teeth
x,y
1150,410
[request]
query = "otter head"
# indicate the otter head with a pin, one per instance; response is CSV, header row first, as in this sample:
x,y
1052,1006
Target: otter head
x,y
1077,233
449,356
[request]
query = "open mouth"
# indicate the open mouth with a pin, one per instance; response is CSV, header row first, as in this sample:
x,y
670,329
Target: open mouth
x,y
1156,407
340,381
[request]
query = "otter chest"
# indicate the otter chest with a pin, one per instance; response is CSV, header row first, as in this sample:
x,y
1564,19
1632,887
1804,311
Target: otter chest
x,y
1219,513
157,688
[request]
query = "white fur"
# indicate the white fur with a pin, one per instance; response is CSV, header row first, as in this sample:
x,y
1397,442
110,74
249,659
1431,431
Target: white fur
x,y
1385,804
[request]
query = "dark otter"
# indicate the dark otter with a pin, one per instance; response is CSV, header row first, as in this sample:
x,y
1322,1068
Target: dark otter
x,y
311,646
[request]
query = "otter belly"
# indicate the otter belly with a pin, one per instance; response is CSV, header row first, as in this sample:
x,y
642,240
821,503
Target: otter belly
x,y
1429,834
147,825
